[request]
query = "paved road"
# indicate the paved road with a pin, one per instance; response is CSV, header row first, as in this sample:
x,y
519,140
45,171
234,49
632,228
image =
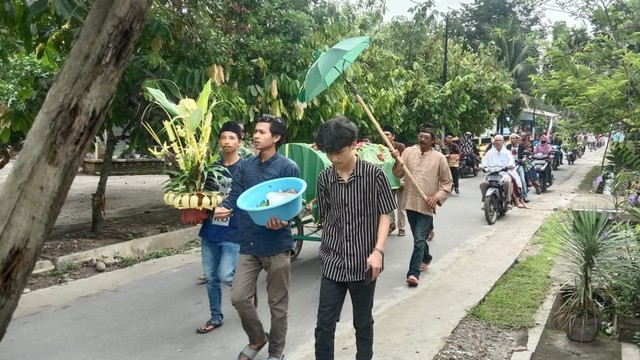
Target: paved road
x,y
150,311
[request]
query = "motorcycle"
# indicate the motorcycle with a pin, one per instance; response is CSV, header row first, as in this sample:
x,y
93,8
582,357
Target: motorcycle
x,y
554,157
469,165
543,164
495,200
571,156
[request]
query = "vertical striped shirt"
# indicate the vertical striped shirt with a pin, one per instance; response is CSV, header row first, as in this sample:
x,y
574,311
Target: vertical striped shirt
x,y
350,213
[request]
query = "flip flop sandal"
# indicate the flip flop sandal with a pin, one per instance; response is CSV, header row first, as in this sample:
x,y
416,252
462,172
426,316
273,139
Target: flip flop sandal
x,y
207,327
202,279
275,358
412,281
250,352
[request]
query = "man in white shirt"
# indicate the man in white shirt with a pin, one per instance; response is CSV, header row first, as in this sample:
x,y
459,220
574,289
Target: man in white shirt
x,y
498,156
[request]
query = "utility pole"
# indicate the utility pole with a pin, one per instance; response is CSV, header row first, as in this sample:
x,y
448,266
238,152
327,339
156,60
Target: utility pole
x,y
445,64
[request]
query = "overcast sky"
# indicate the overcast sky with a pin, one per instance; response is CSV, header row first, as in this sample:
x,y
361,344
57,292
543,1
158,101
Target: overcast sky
x,y
401,7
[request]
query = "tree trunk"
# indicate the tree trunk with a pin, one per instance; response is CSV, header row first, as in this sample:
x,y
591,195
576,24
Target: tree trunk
x,y
67,122
98,199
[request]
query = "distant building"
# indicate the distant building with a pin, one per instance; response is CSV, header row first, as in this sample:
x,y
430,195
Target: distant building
x,y
536,121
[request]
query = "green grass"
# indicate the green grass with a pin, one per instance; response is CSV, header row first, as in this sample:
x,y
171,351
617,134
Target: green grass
x,y
515,298
587,183
157,254
71,265
128,261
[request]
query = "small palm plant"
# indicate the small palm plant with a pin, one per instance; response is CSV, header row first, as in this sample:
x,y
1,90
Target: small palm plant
x,y
188,131
591,242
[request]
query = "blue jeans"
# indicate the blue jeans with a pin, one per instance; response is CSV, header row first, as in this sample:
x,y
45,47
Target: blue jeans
x,y
523,180
219,263
332,296
420,225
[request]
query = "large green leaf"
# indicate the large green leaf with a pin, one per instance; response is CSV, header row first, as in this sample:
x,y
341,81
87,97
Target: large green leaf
x,y
196,118
166,104
203,98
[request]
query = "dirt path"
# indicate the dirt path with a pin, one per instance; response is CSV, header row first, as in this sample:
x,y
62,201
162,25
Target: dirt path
x,y
134,209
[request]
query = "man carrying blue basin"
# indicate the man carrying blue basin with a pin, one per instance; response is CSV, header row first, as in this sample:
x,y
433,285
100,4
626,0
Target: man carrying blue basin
x,y
267,247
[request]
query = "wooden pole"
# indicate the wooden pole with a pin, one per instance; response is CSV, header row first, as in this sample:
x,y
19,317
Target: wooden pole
x,y
407,173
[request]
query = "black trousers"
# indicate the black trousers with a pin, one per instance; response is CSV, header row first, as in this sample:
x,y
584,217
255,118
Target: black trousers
x,y
454,175
332,295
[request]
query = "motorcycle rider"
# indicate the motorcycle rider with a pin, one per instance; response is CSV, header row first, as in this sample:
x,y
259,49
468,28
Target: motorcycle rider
x,y
591,140
499,156
558,142
469,150
545,148
516,150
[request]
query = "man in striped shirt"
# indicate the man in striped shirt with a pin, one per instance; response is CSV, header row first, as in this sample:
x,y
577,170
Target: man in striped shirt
x,y
354,202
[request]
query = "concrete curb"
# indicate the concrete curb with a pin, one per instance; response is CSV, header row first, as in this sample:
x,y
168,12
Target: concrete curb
x,y
630,351
132,248
43,266
534,334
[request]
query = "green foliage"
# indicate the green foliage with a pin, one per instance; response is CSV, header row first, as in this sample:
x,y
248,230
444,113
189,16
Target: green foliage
x,y
24,82
597,77
128,261
590,244
71,265
186,136
475,21
586,184
624,156
515,298
157,254
262,49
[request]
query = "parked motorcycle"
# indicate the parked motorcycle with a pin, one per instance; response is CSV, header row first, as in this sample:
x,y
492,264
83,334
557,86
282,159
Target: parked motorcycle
x,y
469,165
543,168
495,200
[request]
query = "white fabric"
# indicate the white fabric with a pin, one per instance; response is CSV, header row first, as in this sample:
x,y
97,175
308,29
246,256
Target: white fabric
x,y
495,158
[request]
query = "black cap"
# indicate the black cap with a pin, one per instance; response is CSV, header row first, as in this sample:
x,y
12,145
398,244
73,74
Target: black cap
x,y
232,127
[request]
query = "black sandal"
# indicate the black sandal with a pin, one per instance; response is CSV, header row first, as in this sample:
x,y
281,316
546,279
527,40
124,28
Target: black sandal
x,y
207,327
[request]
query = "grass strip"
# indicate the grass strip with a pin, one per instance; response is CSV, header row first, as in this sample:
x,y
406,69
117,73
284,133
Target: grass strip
x,y
516,297
586,184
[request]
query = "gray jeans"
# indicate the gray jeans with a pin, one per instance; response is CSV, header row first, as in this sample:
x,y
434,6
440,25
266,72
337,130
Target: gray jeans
x,y
506,186
278,268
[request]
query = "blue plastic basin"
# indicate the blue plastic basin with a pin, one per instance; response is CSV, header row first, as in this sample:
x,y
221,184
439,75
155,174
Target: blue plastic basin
x,y
286,210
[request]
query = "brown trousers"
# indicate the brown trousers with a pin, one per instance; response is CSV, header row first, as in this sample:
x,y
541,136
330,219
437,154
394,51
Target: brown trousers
x,y
278,268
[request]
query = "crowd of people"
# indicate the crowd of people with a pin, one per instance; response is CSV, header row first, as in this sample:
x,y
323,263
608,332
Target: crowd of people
x,y
235,250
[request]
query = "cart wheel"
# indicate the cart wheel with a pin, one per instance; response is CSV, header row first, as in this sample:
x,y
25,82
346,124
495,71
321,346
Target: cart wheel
x,y
297,229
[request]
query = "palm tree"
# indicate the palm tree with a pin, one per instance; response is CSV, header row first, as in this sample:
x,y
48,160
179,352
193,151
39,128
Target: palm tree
x,y
517,53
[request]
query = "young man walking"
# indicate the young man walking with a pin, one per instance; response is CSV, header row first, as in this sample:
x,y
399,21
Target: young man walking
x,y
266,248
354,202
431,170
220,246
